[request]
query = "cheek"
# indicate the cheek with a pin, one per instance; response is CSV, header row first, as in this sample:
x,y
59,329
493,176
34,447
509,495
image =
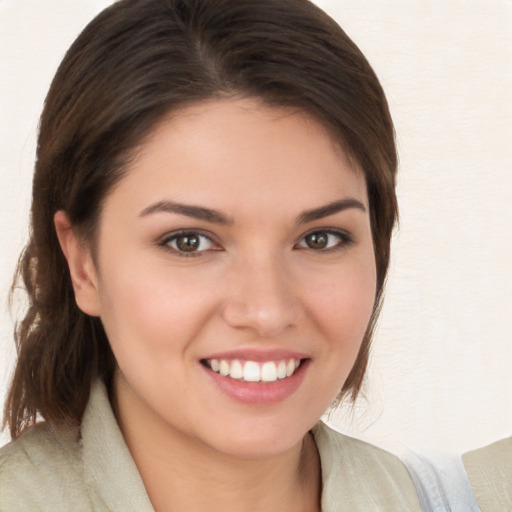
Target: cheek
x,y
344,303
341,307
152,310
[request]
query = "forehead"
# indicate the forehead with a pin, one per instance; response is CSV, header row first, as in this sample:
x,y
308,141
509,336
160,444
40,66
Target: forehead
x,y
228,149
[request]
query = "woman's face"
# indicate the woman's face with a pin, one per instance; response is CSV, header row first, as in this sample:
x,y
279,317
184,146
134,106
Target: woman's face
x,y
235,276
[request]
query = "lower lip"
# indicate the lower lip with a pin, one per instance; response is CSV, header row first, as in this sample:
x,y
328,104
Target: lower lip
x,y
259,393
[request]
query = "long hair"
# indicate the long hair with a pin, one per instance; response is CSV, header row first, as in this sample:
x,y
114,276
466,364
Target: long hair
x,y
133,64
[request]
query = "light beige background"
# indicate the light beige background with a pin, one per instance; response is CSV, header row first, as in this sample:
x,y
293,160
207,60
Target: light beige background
x,y
440,372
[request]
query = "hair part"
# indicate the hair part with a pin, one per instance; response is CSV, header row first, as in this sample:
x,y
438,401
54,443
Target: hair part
x,y
136,62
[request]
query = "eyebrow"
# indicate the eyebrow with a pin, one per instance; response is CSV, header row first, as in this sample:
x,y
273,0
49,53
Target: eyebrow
x,y
330,209
196,212
216,217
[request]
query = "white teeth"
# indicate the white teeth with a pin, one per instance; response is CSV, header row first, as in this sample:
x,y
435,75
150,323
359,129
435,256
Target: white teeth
x,y
252,371
269,372
236,371
281,370
224,368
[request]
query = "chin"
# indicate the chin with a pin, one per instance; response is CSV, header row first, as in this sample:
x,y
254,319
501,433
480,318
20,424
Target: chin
x,y
257,439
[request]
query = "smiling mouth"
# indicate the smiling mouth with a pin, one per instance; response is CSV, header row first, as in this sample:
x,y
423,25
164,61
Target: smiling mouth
x,y
252,371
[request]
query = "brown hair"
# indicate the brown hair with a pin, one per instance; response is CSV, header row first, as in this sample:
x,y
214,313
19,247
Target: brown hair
x,y
135,62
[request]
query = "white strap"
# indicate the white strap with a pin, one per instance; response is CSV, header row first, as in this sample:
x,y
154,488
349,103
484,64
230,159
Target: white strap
x,y
441,483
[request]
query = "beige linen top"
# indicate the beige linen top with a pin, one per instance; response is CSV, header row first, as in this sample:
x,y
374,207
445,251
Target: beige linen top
x,y
489,470
53,470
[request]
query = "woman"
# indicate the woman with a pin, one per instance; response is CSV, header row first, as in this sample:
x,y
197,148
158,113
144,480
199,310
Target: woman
x,y
218,177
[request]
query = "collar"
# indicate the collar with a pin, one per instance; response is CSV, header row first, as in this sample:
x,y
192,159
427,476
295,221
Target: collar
x,y
109,468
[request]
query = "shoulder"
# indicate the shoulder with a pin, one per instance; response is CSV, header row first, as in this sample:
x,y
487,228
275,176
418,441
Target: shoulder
x,y
362,476
489,470
354,450
41,470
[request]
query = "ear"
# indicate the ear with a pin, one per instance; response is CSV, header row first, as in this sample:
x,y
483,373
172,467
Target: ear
x,y
81,266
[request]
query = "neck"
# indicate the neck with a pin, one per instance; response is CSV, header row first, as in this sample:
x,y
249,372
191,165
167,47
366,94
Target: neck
x,y
181,474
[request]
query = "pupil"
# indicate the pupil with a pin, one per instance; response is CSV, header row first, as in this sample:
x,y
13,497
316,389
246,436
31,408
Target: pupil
x,y
317,240
188,243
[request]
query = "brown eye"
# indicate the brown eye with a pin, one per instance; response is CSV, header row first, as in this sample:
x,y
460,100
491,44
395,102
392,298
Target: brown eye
x,y
317,240
325,240
188,243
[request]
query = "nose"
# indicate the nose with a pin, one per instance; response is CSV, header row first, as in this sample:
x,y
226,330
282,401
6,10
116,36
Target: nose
x,y
262,297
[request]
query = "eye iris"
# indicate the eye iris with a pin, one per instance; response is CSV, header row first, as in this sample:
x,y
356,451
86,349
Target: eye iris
x,y
317,240
188,243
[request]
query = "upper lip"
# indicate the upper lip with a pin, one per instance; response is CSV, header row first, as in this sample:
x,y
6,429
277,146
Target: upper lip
x,y
258,355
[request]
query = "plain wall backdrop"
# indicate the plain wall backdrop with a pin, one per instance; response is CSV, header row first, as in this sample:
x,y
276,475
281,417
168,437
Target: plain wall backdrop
x,y
439,378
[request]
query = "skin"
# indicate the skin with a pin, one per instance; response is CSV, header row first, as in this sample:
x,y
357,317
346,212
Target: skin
x,y
254,284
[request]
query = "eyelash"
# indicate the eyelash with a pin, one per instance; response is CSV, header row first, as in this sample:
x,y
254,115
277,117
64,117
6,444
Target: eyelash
x,y
345,239
174,236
